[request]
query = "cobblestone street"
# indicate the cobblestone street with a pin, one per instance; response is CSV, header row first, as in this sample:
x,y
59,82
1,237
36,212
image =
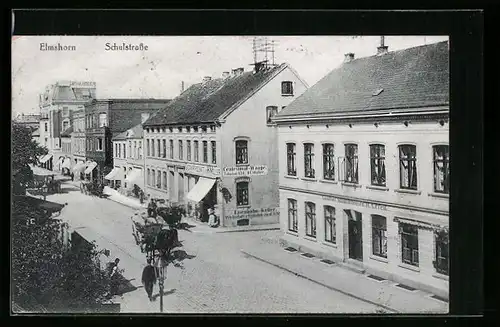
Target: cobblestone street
x,y
217,279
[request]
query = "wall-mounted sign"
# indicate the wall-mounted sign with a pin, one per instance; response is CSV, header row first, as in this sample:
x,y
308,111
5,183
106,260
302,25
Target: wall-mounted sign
x,y
248,213
83,84
246,171
202,170
356,202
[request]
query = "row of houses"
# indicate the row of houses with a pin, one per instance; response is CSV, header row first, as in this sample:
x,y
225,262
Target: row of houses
x,y
355,168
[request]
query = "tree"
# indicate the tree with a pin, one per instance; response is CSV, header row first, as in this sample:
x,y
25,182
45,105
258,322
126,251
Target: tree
x,y
25,151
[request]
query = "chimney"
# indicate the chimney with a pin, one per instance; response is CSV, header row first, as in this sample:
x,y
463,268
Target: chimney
x,y
349,57
225,75
206,79
238,71
144,117
182,86
382,48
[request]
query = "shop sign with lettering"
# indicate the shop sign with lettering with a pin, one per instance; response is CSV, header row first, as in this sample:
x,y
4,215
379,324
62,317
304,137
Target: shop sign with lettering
x,y
83,84
202,170
246,171
248,213
356,202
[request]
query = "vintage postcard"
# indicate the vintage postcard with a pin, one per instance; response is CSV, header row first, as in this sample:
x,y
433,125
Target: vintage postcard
x,y
230,174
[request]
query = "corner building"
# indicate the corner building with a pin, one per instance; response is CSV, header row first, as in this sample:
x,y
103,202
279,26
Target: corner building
x,y
215,145
364,167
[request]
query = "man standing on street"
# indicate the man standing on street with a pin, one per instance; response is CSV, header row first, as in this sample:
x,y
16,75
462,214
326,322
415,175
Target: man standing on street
x,y
114,277
149,279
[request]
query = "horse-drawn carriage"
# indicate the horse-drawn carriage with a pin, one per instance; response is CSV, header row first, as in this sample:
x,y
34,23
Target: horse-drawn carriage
x,y
92,188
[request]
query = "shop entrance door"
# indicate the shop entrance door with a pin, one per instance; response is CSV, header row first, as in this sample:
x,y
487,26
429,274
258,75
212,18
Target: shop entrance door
x,y
355,235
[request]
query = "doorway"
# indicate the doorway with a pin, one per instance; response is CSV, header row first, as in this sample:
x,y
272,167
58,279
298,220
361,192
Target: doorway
x,y
355,235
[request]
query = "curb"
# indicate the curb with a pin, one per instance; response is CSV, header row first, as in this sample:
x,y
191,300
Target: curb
x,y
320,283
127,205
248,230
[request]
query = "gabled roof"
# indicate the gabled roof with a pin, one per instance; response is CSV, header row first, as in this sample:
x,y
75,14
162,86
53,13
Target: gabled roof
x,y
410,78
205,102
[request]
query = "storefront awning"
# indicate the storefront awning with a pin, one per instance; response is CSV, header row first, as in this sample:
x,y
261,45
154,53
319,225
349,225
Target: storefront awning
x,y
37,171
90,167
135,177
46,158
201,189
114,174
79,167
66,163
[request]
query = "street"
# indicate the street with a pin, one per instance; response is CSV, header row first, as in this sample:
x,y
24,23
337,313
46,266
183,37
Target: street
x,y
216,277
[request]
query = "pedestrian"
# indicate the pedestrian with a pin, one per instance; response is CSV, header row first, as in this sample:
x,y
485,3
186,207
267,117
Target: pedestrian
x,y
72,176
152,209
149,277
114,277
212,220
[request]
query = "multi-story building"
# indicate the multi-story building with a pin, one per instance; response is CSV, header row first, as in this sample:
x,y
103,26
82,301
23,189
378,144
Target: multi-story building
x,y
57,105
215,145
64,163
31,121
78,158
128,160
364,166
107,118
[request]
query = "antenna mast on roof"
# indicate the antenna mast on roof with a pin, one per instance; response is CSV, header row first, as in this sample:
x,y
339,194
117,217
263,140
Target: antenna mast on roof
x,y
262,48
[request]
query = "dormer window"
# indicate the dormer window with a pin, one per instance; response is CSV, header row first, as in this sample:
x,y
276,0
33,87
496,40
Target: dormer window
x,y
286,88
179,129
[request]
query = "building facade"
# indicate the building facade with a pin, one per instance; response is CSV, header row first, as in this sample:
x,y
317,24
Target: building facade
x,y
78,137
200,154
107,118
57,105
31,121
364,167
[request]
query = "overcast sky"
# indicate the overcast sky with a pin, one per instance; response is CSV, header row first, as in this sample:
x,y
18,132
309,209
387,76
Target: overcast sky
x,y
158,72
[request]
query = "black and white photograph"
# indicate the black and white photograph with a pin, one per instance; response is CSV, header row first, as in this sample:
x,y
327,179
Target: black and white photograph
x,y
230,174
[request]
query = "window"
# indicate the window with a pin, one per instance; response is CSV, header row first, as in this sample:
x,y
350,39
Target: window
x,y
441,168
181,150
65,125
130,148
119,150
292,216
290,159
196,151
310,219
188,155
241,152
309,160
379,236
164,152
242,193
147,148
409,244
408,166
271,111
99,144
158,146
103,120
148,179
140,149
205,151
214,152
330,227
441,263
351,169
171,144
164,180
212,128
65,111
158,179
153,177
136,156
328,162
286,88
377,162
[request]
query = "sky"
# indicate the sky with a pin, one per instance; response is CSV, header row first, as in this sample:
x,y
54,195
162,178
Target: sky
x,y
170,60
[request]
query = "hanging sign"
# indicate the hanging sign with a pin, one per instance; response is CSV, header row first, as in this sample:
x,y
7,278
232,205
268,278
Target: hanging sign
x,y
202,170
246,171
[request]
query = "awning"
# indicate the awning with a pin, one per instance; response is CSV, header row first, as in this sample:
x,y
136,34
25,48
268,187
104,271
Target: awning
x,y
135,177
37,171
67,163
47,205
79,167
46,158
201,189
90,167
114,174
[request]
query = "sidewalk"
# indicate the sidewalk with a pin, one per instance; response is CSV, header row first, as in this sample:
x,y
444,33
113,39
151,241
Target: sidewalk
x,y
116,196
383,293
200,227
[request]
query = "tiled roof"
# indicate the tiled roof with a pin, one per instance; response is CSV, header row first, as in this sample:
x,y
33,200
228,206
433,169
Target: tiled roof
x,y
414,77
205,102
119,136
67,132
138,104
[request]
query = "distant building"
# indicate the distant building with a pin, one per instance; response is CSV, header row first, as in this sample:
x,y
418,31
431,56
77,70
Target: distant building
x,y
214,146
57,105
78,154
105,118
364,166
32,121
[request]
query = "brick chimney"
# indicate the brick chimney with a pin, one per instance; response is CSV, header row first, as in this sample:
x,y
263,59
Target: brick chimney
x,y
225,75
349,57
238,71
206,79
382,48
144,117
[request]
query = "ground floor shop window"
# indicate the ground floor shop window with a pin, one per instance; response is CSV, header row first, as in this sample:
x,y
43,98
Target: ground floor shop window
x,y
330,233
310,219
409,244
242,193
292,216
379,236
442,255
